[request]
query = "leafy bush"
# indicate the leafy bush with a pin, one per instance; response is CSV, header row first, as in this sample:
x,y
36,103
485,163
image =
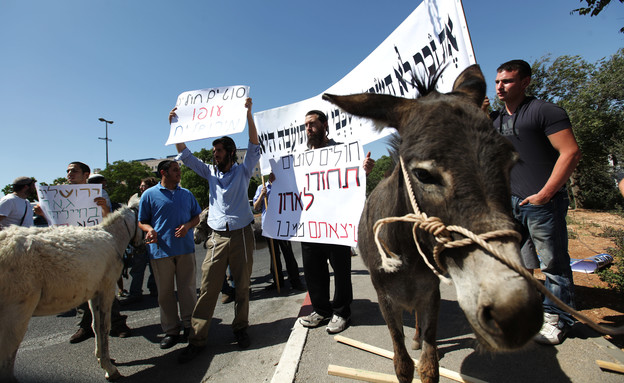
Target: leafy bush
x,y
614,275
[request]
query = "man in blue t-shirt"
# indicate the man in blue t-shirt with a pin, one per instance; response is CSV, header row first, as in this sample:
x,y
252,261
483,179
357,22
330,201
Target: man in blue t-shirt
x,y
167,214
542,135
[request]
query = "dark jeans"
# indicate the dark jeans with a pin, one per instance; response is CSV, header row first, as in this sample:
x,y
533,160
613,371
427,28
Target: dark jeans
x,y
291,263
137,272
316,273
85,318
546,226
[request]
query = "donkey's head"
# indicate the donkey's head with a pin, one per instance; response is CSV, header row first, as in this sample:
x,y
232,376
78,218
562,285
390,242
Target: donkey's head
x,y
458,167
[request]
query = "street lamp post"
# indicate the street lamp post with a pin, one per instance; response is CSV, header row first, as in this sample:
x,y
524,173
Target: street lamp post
x,y
106,138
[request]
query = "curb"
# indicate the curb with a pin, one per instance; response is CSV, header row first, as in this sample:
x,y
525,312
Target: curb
x,y
289,361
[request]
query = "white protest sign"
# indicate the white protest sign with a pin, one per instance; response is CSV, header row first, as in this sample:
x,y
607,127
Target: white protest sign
x,y
70,205
206,113
318,195
435,35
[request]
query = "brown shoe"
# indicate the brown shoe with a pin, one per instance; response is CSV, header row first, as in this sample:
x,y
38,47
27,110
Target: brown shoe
x,y
81,335
122,331
227,298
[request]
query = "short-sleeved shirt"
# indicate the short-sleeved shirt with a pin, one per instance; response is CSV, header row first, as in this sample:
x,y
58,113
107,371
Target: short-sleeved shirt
x,y
257,195
14,208
528,130
165,210
229,199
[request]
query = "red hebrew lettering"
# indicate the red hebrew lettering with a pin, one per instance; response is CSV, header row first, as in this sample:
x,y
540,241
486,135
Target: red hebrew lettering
x,y
309,195
333,229
344,228
357,176
312,225
333,171
68,194
319,228
319,177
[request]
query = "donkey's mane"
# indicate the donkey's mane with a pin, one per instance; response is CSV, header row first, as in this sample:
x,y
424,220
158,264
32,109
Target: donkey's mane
x,y
426,84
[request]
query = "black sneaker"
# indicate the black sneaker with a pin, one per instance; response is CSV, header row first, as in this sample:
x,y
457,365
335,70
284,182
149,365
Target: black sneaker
x,y
242,338
189,353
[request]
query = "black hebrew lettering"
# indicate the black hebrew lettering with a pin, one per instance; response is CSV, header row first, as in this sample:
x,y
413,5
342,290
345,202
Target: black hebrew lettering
x,y
286,162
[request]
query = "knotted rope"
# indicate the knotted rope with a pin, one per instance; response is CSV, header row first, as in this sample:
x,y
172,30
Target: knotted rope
x,y
390,262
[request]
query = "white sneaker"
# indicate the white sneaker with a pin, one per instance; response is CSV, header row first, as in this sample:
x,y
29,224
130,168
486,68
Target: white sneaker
x,y
551,333
312,320
337,324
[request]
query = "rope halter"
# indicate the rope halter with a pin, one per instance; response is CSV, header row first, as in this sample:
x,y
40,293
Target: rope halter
x,y
442,234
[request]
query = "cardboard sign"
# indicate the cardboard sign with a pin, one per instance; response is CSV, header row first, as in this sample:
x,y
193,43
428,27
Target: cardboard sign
x,y
70,204
206,113
318,195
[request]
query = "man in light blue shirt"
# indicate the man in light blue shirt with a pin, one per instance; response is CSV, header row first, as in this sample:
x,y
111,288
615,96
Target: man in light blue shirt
x,y
232,242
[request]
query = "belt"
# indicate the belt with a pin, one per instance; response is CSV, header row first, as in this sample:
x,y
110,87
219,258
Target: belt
x,y
227,228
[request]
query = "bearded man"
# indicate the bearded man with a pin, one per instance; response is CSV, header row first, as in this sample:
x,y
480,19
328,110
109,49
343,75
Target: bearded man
x,y
232,241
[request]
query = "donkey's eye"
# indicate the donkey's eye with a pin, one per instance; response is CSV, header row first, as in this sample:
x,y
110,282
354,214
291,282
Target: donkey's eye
x,y
424,176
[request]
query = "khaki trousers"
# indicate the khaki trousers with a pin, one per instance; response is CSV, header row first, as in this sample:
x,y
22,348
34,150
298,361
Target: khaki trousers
x,y
234,248
168,272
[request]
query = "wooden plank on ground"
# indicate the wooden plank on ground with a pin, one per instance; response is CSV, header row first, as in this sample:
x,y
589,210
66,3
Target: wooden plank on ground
x,y
458,377
610,366
362,375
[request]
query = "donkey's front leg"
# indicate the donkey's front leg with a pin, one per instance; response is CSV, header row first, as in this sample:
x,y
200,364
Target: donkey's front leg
x,y
101,310
403,363
427,314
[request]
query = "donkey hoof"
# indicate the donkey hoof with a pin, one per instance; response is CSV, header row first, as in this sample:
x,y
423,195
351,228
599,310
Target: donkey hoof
x,y
113,377
416,345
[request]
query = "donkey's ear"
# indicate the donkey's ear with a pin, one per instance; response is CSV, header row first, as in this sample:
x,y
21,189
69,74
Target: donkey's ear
x,y
383,109
471,83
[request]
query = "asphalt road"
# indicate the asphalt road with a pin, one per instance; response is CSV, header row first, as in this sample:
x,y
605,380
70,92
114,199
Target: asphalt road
x,y
46,355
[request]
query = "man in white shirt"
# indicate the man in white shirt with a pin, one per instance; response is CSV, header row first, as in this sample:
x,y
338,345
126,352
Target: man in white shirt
x,y
15,208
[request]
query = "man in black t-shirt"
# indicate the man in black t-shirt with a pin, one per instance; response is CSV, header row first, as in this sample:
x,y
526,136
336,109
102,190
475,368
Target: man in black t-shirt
x,y
542,135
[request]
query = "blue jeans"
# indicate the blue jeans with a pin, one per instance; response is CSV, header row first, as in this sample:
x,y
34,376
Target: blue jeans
x,y
545,225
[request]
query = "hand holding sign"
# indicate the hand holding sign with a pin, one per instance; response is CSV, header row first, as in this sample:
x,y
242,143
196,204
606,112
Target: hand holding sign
x,y
208,113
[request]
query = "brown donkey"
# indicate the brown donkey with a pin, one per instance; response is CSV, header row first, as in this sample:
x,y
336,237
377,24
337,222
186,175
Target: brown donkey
x,y
458,168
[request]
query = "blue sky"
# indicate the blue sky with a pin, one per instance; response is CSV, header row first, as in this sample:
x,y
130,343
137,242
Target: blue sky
x,y
65,63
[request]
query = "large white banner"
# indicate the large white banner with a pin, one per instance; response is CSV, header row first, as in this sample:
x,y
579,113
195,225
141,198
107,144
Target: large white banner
x,y
70,204
435,35
317,195
206,113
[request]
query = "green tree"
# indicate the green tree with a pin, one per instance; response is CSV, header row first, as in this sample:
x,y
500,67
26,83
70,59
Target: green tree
x,y
196,184
596,110
123,179
594,7
383,166
59,181
253,185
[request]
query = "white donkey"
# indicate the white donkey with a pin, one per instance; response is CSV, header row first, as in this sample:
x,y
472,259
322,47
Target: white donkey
x,y
46,271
